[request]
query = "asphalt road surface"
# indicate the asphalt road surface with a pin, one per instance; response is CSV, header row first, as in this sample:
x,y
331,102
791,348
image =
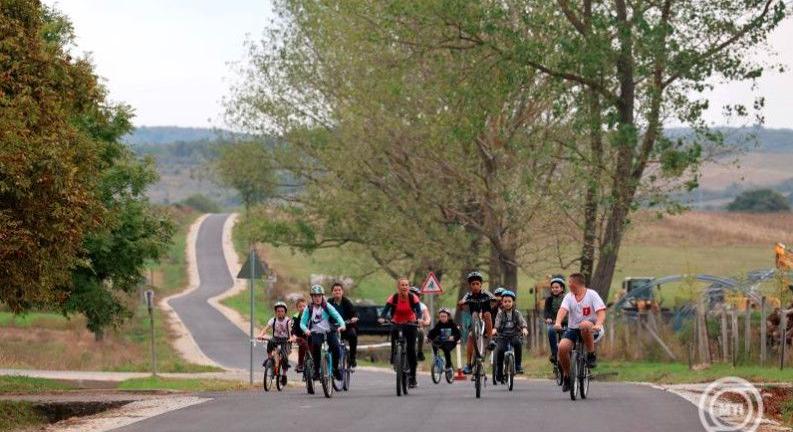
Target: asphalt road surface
x,y
372,405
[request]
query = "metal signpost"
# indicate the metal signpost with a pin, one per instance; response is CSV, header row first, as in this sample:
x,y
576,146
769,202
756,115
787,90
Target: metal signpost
x,y
149,294
253,269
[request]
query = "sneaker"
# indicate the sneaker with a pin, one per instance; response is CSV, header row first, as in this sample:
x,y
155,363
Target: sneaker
x,y
283,380
420,356
449,370
591,360
552,359
337,375
412,382
299,369
566,384
491,346
353,364
518,370
467,370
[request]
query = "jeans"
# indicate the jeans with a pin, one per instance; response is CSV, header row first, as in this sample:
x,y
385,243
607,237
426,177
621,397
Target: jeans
x,y
552,342
333,348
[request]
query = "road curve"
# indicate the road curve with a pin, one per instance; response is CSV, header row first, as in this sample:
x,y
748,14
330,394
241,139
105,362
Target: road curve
x,y
372,405
218,338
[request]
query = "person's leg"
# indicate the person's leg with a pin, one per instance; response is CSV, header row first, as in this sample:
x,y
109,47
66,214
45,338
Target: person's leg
x,y
352,338
588,335
269,349
394,336
500,349
488,324
302,347
420,344
316,351
517,345
410,338
552,342
469,352
447,352
565,348
335,350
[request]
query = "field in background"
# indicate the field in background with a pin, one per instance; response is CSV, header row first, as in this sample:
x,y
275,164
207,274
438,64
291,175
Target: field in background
x,y
42,340
720,244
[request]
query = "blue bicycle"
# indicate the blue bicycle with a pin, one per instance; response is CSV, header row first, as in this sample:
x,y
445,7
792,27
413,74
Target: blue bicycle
x,y
439,366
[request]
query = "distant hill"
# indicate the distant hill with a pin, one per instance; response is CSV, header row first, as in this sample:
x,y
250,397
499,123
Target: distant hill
x,y
749,138
171,134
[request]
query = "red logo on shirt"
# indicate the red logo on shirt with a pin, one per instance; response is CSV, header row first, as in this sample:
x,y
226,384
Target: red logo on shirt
x,y
587,310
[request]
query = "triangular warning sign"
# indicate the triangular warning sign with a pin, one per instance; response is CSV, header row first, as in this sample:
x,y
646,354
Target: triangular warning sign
x,y
260,269
431,285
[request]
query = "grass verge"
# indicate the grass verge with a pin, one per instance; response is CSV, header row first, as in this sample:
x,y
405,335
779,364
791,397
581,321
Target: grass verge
x,y
15,415
24,384
190,385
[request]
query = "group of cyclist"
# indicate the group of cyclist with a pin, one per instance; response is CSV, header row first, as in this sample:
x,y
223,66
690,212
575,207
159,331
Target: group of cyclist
x,y
569,316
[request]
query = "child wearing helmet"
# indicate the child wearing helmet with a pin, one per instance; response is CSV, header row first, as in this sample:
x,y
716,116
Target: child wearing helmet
x,y
281,327
509,326
552,304
444,335
316,322
478,302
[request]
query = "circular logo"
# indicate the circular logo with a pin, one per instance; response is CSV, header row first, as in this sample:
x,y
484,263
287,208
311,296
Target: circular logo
x,y
731,404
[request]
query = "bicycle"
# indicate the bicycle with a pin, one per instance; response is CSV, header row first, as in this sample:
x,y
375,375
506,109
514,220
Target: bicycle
x,y
439,366
325,370
557,370
344,365
508,370
579,369
478,369
273,366
399,358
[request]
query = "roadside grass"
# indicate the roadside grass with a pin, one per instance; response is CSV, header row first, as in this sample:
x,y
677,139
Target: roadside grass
x,y
16,415
188,385
24,384
42,340
677,373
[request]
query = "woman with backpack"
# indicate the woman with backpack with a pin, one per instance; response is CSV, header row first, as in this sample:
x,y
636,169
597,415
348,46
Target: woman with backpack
x,y
403,308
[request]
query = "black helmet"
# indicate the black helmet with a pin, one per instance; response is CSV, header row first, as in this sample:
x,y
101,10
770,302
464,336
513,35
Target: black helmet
x,y
475,275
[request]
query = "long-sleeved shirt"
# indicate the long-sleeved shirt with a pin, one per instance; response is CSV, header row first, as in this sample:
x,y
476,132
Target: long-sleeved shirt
x,y
478,302
316,318
552,305
447,331
508,323
345,308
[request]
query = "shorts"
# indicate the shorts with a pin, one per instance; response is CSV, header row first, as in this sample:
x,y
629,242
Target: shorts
x,y
575,334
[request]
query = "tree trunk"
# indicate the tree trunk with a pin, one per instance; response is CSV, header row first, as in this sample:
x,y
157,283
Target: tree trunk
x,y
593,188
494,277
509,271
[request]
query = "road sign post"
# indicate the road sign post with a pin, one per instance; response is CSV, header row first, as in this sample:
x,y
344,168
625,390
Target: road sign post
x,y
253,269
150,306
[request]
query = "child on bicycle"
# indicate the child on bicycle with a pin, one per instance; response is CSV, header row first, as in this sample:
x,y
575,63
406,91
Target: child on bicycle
x,y
281,327
299,335
509,327
444,335
478,302
317,322
552,304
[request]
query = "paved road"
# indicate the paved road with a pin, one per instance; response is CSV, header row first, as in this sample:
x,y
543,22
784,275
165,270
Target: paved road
x,y
218,338
371,405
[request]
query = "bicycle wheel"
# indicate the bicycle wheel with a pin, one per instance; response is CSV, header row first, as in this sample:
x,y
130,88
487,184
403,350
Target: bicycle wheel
x,y
583,381
325,375
449,375
573,376
557,373
509,369
478,375
338,385
436,370
398,368
280,377
269,374
405,373
308,374
347,375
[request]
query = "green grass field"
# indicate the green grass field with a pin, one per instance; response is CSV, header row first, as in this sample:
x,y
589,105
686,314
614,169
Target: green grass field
x,y
19,415
24,384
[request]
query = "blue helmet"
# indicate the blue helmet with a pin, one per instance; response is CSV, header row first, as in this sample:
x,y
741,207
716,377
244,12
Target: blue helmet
x,y
475,275
508,293
499,292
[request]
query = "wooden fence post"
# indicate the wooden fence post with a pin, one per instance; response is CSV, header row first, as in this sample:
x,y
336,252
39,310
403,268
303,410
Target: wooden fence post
x,y
735,336
783,342
725,343
763,335
747,330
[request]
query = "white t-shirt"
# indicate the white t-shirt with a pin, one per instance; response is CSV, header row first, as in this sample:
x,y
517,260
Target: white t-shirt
x,y
281,328
585,310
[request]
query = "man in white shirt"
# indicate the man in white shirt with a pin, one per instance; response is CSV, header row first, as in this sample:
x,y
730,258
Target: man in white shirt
x,y
587,313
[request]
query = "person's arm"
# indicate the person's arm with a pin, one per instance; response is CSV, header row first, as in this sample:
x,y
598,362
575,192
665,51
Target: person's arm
x,y
264,331
425,318
433,333
497,324
547,310
387,310
563,310
304,320
456,333
334,315
416,307
465,299
353,314
601,318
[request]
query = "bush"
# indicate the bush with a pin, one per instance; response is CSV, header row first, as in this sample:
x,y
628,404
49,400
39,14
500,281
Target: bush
x,y
201,203
760,201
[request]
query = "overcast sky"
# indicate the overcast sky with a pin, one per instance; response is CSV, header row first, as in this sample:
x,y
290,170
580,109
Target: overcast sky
x,y
169,58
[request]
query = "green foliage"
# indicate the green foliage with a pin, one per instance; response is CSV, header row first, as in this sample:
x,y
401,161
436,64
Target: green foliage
x,y
248,168
19,414
201,203
760,201
24,384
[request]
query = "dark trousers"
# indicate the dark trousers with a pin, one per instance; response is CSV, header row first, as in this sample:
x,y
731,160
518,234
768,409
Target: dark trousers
x,y
302,349
552,340
501,348
446,347
420,336
333,348
410,339
351,336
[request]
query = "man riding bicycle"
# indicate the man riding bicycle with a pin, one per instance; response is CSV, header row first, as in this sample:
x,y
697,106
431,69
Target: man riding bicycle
x,y
345,307
316,323
403,308
478,302
587,313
